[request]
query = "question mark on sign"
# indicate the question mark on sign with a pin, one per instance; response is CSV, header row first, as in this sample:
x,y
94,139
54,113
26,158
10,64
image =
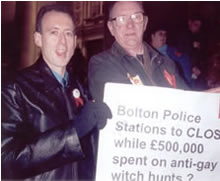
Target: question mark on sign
x,y
190,176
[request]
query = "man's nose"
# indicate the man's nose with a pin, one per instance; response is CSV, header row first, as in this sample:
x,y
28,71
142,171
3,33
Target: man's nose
x,y
130,23
63,39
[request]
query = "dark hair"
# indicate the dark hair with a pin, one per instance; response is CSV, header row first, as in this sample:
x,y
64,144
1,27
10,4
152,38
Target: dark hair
x,y
195,17
48,8
158,27
112,4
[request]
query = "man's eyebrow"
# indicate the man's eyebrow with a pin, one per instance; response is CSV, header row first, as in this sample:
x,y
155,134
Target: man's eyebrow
x,y
52,28
130,14
58,28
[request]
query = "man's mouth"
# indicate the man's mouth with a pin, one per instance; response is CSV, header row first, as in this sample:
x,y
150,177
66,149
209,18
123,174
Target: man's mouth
x,y
130,34
61,53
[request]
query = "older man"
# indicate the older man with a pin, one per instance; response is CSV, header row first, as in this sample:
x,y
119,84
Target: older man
x,y
130,60
47,124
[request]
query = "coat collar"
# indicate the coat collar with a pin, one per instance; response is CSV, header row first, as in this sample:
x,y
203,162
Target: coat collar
x,y
153,54
49,80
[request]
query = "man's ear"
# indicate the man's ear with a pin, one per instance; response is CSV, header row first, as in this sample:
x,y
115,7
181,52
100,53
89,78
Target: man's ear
x,y
152,36
75,41
37,39
110,27
189,22
145,22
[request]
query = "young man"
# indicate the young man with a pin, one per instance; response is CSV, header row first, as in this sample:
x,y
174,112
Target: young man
x,y
47,127
130,60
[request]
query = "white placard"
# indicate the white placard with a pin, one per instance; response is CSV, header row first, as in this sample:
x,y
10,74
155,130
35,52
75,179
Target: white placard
x,y
159,134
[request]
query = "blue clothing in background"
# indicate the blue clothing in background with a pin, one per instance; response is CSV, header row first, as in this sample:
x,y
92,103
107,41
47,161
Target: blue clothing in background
x,y
61,80
181,59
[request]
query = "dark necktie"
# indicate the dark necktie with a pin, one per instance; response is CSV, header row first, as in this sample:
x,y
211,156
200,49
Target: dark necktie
x,y
141,59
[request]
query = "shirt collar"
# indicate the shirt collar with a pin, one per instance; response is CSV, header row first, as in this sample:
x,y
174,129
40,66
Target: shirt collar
x,y
148,51
121,52
163,50
60,79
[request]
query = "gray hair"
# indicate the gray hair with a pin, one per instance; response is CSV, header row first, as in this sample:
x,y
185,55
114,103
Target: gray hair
x,y
113,3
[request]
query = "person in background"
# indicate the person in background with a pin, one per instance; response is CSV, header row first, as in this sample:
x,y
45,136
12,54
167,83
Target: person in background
x,y
158,39
212,73
48,126
191,41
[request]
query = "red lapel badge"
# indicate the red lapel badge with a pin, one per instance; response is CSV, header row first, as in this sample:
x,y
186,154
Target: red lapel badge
x,y
178,54
170,78
76,95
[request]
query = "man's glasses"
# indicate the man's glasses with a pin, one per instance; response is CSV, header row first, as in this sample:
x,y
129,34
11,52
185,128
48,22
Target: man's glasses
x,y
122,20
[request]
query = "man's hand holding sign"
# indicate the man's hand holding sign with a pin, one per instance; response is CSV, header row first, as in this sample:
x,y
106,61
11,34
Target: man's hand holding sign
x,y
159,134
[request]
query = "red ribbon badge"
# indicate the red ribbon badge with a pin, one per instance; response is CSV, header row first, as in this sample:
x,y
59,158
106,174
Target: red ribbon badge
x,y
178,54
78,100
170,78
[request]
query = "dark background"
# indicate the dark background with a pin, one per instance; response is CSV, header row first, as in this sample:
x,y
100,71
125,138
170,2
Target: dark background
x,y
15,41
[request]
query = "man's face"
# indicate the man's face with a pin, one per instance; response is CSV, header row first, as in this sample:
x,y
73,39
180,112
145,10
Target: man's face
x,y
57,39
195,26
159,38
130,34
